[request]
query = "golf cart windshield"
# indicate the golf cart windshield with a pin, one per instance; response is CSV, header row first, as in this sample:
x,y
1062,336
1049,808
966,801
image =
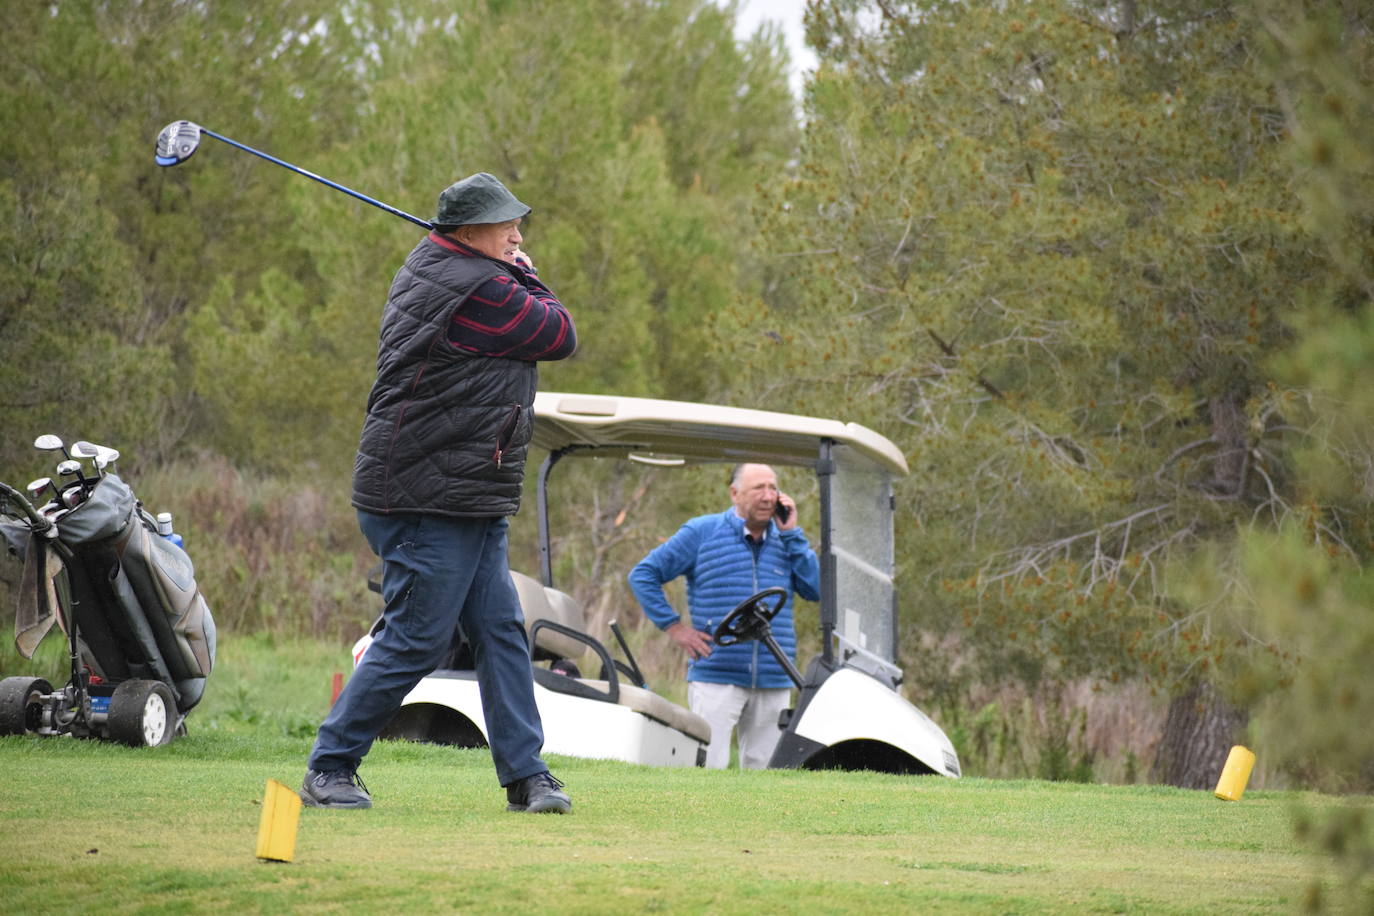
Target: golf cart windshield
x,y
862,545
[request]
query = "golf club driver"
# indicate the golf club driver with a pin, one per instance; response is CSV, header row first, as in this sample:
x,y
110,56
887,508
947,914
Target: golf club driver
x,y
100,456
180,139
50,443
84,449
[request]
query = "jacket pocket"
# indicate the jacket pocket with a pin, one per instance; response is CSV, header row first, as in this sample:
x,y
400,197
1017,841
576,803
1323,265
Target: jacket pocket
x,y
508,427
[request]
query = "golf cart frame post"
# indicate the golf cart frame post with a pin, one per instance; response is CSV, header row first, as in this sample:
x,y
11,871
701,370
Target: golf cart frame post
x,y
542,507
825,473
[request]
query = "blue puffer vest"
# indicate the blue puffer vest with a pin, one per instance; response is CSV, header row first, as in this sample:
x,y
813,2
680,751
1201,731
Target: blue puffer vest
x,y
722,569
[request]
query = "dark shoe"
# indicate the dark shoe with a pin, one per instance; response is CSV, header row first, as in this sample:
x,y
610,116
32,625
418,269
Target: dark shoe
x,y
538,794
336,789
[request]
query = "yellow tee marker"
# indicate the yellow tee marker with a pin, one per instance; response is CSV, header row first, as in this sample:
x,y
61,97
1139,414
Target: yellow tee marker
x,y
281,815
1235,774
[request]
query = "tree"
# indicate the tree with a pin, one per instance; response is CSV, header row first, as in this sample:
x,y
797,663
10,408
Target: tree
x,y
1049,247
106,251
1297,592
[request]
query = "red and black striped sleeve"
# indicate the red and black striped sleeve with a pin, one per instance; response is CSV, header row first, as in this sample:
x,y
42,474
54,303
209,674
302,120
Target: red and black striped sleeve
x,y
512,319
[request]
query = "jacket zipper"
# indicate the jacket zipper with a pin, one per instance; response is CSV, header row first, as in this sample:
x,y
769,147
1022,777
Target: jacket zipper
x,y
754,674
507,430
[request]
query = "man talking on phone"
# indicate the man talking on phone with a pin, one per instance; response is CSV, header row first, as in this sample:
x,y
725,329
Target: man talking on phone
x,y
727,557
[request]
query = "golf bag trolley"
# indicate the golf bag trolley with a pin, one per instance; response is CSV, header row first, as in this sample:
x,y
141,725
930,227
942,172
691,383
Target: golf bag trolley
x,y
140,637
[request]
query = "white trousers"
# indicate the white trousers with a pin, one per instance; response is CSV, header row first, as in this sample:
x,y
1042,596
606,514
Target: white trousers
x,y
754,711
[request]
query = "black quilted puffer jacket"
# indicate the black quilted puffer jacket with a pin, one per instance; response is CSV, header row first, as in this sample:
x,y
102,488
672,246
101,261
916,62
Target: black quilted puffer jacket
x,y
446,431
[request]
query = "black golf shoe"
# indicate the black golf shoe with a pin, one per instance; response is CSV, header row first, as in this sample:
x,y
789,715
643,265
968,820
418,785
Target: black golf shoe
x,y
538,794
336,789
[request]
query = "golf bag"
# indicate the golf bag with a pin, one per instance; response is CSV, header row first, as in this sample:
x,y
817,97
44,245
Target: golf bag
x,y
140,634
138,613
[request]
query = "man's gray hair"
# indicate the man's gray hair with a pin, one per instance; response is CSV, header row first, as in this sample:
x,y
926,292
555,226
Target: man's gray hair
x,y
735,471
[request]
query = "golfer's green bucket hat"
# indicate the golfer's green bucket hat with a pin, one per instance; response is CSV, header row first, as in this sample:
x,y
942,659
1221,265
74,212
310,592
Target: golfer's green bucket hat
x,y
476,200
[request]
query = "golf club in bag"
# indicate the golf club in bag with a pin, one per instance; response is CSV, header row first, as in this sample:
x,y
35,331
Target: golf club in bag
x,y
141,639
180,139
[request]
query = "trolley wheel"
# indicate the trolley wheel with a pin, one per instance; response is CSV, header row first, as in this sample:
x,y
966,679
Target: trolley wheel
x,y
21,704
142,714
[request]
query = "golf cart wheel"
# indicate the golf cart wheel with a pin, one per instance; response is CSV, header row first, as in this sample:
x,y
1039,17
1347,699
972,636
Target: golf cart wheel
x,y
142,714
21,704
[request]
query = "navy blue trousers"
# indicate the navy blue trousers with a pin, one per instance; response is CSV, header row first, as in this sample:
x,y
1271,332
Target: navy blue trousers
x,y
438,574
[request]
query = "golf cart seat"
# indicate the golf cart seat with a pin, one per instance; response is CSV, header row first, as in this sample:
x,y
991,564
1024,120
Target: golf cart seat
x,y
544,606
539,603
647,703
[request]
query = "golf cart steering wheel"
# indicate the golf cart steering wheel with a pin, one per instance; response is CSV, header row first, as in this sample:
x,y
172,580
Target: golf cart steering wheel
x,y
750,620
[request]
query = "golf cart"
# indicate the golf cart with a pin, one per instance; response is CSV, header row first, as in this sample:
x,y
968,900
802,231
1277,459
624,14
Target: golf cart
x,y
849,713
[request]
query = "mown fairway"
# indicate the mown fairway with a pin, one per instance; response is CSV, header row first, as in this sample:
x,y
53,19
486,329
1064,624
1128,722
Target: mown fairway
x,y
89,827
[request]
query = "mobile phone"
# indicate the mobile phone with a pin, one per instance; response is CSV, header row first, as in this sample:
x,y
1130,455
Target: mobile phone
x,y
782,512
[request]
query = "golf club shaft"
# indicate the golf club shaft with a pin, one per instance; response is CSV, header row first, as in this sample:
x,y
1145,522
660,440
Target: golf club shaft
x,y
324,181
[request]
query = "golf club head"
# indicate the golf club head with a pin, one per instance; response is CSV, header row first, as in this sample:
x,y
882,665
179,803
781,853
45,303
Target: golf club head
x,y
48,443
100,453
38,486
177,142
68,467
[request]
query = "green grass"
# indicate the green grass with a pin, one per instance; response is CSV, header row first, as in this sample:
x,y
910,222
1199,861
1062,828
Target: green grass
x,y
94,827
88,826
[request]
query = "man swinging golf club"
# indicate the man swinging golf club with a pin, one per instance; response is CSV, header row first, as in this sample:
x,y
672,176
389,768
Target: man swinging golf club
x,y
437,475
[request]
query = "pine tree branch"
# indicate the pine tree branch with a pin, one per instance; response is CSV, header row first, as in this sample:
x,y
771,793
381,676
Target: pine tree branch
x,y
948,350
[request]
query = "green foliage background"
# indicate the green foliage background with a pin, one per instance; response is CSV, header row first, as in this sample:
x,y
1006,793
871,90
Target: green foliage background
x,y
1052,263
1103,271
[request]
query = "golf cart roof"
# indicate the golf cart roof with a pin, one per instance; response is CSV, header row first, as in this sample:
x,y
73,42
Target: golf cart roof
x,y
670,433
